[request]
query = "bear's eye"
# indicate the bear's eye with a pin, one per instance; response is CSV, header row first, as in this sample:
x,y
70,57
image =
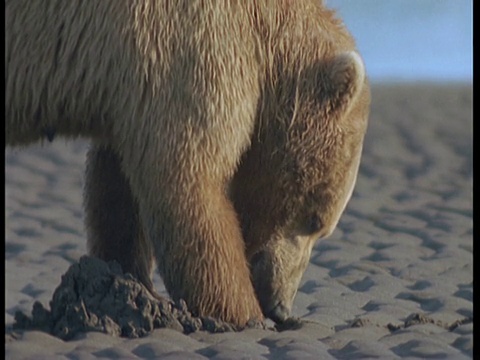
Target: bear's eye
x,y
314,224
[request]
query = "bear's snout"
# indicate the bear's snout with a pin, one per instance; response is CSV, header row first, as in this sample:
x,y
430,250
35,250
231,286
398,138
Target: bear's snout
x,y
275,286
279,313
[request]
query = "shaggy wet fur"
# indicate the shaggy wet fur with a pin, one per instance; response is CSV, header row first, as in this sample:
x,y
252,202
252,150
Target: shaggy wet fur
x,y
179,98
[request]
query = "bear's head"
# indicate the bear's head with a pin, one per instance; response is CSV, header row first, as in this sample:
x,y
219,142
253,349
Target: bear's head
x,y
294,182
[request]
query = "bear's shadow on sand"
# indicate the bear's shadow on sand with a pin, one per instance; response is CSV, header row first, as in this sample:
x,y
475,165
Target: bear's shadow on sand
x,y
97,296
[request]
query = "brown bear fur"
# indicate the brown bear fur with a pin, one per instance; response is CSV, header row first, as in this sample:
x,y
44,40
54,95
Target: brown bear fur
x,y
172,95
291,192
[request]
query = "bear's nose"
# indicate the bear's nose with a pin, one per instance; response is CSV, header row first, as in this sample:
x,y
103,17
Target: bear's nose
x,y
279,313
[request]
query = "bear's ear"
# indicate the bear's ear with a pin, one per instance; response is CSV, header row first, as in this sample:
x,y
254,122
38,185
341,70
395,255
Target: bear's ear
x,y
340,82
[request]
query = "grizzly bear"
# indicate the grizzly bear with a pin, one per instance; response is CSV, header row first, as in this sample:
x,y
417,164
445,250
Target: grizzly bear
x,y
226,135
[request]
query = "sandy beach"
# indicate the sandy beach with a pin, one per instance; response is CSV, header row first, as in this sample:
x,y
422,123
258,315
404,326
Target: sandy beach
x,y
395,280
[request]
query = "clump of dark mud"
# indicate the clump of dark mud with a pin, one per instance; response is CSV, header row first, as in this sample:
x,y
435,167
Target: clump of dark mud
x,y
97,296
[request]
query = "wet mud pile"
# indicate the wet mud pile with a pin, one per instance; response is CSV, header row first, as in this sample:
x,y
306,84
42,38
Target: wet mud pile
x,y
97,296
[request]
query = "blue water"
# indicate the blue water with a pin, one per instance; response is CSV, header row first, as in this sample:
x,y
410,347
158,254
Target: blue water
x,y
412,40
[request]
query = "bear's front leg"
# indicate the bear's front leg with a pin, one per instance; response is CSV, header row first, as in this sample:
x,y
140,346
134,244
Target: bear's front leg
x,y
111,217
195,232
